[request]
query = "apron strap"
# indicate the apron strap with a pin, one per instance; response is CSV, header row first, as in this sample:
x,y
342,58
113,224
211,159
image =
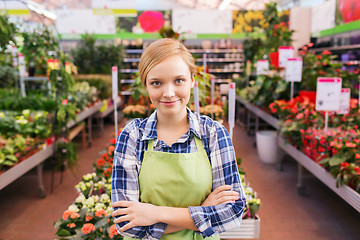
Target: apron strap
x,y
151,145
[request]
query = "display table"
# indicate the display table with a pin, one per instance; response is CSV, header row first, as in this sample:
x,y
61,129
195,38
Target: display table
x,y
26,165
344,191
101,115
87,113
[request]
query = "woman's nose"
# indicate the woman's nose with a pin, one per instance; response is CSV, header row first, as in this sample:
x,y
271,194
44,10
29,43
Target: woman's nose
x,y
169,91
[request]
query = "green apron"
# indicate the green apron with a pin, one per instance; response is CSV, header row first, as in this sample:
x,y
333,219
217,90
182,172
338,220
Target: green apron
x,y
176,180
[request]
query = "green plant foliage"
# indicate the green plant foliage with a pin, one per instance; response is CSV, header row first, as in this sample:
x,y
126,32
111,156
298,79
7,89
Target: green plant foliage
x,y
36,47
8,76
91,58
8,31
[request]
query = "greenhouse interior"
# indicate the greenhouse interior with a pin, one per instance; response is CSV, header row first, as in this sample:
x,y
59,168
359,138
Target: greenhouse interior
x,y
262,139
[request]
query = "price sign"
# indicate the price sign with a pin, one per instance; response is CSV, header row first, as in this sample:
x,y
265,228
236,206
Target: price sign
x,y
262,67
328,91
115,89
293,69
284,54
344,101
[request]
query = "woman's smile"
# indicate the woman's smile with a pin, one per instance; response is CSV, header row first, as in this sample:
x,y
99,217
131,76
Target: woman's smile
x,y
170,103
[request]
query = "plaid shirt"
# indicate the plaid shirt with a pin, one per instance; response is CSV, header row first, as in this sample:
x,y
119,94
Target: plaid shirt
x,y
129,151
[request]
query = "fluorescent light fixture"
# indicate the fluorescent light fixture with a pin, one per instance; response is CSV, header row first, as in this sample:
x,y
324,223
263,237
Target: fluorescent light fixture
x,y
38,8
224,4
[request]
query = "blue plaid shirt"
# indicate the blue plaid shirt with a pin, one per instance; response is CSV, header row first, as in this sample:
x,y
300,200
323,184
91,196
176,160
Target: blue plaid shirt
x,y
129,151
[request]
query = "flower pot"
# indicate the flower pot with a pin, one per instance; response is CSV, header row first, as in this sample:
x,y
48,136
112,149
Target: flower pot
x,y
267,147
249,229
311,95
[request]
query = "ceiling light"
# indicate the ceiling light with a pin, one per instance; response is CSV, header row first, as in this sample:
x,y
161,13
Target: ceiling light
x,y
224,4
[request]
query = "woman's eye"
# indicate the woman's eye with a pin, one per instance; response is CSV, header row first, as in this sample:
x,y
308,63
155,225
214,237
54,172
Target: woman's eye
x,y
155,83
178,81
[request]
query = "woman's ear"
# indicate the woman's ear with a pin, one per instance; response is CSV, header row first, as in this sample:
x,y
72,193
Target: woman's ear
x,y
192,81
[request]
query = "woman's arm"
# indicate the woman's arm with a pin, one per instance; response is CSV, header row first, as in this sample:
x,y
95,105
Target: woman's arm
x,y
144,214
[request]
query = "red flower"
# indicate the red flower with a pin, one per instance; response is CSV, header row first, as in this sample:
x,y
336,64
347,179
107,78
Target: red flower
x,y
88,218
326,52
108,172
88,228
350,144
100,213
64,102
113,232
113,141
70,214
111,149
151,21
319,57
357,156
344,165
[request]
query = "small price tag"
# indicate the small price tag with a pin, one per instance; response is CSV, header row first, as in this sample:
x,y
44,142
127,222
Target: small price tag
x,y
196,97
344,101
115,90
262,67
293,69
328,91
284,54
231,104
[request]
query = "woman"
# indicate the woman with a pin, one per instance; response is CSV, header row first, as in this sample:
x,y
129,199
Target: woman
x,y
174,174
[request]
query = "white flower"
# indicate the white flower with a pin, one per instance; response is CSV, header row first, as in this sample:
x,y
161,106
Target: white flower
x,y
73,208
105,198
109,210
2,115
99,206
22,121
80,199
89,202
26,112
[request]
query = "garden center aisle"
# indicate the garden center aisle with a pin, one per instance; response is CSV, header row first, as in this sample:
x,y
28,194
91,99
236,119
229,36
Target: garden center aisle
x,y
284,214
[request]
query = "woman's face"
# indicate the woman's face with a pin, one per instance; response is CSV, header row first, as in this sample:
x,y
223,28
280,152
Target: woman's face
x,y
169,85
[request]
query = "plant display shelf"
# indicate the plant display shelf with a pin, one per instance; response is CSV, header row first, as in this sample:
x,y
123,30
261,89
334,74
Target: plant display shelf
x,y
23,167
272,121
250,228
345,192
87,113
101,115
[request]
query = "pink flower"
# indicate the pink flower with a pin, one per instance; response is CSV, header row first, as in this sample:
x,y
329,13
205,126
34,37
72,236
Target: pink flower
x,y
64,102
350,144
67,214
88,228
151,21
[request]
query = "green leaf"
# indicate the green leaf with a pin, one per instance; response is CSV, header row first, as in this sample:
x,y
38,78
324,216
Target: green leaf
x,y
63,233
334,161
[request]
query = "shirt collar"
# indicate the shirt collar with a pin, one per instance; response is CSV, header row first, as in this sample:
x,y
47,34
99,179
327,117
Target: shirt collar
x,y
150,131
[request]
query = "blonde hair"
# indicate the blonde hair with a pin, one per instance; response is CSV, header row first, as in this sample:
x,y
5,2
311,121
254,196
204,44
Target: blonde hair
x,y
161,49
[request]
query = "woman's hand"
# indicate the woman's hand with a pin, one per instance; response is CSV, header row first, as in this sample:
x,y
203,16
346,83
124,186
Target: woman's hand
x,y
221,195
137,213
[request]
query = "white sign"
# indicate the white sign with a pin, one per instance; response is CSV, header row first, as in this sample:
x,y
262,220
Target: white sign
x,y
344,101
293,69
114,4
196,97
81,21
328,91
202,21
115,90
323,16
22,66
285,53
262,67
231,105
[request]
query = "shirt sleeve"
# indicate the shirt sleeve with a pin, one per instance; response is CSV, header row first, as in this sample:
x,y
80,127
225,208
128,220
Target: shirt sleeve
x,y
212,220
125,185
